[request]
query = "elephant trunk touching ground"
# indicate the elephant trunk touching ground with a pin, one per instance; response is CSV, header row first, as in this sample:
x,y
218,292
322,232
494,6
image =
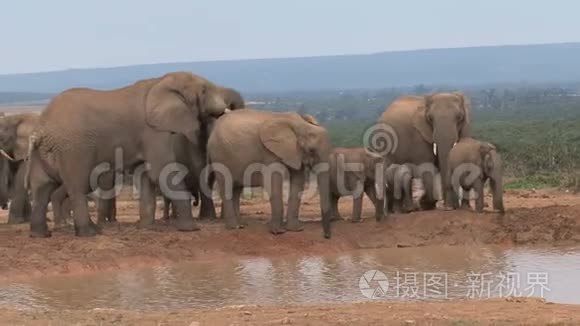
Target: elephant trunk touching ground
x,y
444,137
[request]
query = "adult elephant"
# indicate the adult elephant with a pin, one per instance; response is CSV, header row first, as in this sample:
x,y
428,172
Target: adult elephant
x,y
14,133
82,128
256,149
426,128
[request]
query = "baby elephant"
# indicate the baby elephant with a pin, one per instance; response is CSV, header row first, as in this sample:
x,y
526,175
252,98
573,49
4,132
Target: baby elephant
x,y
352,173
471,164
399,178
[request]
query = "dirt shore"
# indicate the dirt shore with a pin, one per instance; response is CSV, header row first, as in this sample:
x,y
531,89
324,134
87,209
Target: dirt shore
x,y
544,217
533,217
458,313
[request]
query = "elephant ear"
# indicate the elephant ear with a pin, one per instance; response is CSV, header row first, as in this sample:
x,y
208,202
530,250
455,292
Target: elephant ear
x,y
279,138
465,127
421,121
169,108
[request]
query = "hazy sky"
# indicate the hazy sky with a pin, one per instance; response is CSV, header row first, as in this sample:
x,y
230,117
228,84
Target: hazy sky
x,y
38,35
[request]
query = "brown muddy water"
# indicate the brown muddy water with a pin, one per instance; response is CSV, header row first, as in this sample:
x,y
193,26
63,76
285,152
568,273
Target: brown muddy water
x,y
434,273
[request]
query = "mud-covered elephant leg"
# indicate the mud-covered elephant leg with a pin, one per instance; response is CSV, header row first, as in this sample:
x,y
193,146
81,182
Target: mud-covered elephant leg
x,y
148,202
478,187
334,207
276,204
106,210
42,187
166,208
379,204
357,201
20,205
60,207
428,201
294,198
207,206
465,198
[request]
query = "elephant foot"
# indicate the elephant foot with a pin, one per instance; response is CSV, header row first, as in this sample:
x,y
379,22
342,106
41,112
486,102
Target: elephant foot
x,y
186,225
146,224
40,232
295,226
277,229
87,231
356,220
336,218
207,216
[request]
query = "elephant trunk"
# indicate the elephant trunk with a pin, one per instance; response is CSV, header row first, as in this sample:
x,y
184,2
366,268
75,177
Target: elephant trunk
x,y
445,137
496,185
325,207
4,182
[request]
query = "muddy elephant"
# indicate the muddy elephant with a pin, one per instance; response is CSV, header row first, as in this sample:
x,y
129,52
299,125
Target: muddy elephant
x,y
258,149
425,129
471,164
195,158
399,193
353,173
14,132
86,136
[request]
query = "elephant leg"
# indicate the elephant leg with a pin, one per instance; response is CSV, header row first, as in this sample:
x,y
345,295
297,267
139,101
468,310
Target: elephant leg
x,y
390,198
465,199
106,210
42,193
147,202
371,192
84,227
294,198
166,204
236,202
207,208
478,187
334,208
357,202
19,211
428,202
228,211
58,200
276,204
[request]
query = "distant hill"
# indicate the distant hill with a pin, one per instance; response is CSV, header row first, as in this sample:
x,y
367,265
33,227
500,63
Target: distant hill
x,y
550,63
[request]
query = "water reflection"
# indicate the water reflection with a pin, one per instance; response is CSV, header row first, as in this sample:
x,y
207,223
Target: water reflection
x,y
468,271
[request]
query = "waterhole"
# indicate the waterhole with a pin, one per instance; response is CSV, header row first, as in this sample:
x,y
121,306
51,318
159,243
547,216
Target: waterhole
x,y
434,273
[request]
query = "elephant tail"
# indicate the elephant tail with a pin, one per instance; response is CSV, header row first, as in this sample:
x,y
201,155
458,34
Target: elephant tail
x,y
32,143
196,199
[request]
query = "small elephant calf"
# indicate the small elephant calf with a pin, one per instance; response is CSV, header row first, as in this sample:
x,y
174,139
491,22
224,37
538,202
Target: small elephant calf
x,y
399,179
471,164
354,180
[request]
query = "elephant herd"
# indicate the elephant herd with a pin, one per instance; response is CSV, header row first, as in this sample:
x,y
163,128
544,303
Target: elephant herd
x,y
181,124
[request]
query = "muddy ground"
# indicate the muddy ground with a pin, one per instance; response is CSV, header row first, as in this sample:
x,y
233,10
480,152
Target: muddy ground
x,y
459,313
532,217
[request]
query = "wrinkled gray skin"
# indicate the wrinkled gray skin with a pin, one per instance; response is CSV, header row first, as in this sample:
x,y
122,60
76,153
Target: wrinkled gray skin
x,y
399,178
471,164
138,119
421,122
195,158
354,170
291,141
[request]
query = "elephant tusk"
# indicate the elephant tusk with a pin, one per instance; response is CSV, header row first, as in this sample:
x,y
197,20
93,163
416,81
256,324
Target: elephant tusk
x,y
227,110
434,149
6,155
